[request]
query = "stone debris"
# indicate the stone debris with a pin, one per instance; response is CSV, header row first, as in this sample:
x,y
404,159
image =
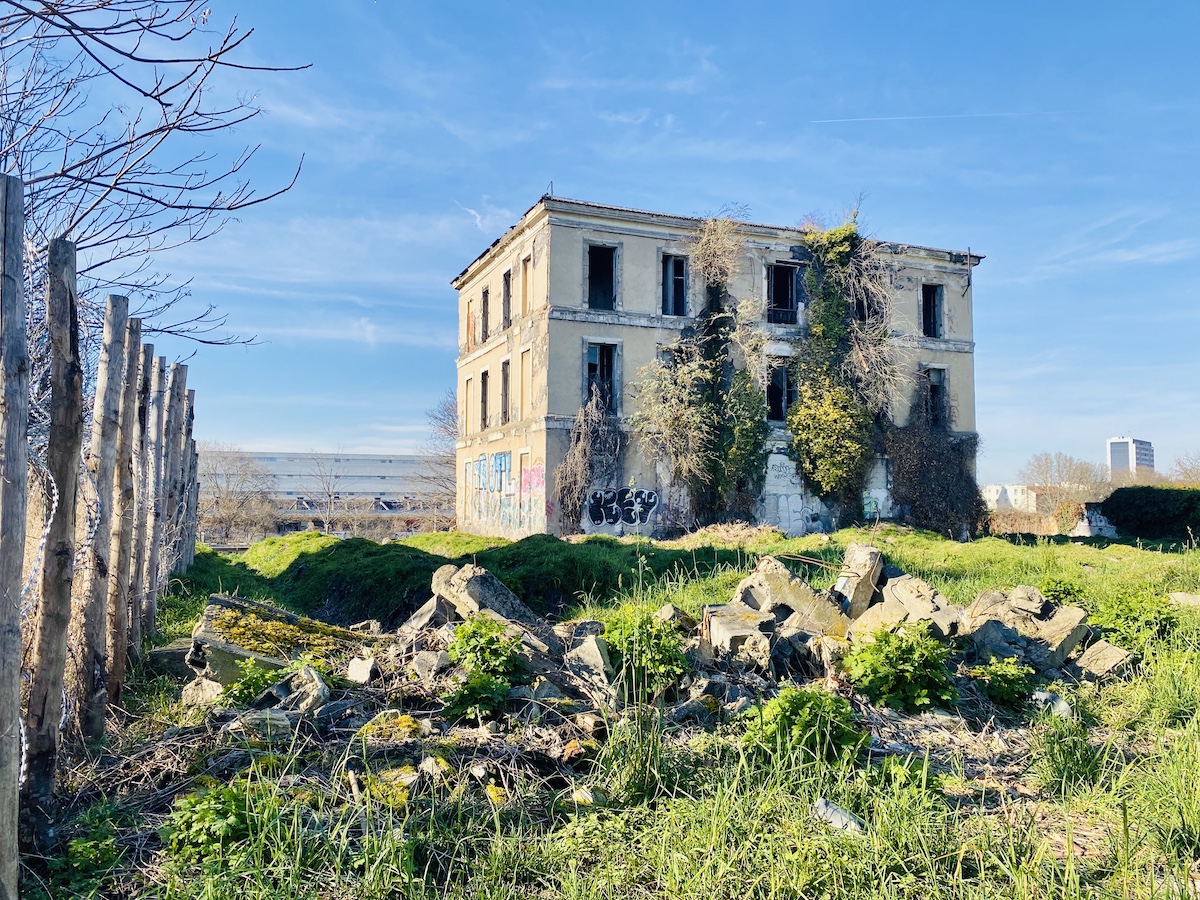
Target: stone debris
x,y
836,817
270,725
590,661
428,664
362,670
201,692
861,568
1022,624
1097,661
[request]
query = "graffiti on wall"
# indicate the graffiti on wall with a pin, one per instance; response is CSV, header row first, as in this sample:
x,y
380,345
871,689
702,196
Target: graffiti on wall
x,y
627,506
497,497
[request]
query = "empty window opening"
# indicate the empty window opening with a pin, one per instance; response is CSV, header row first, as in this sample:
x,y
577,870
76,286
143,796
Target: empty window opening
x,y
931,310
600,373
506,301
466,410
602,279
781,392
483,315
470,324
785,290
937,398
483,400
674,285
526,275
504,393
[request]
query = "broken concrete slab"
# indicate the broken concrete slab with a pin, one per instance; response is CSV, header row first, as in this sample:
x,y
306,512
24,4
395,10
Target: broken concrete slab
x,y
861,567
473,589
771,581
307,691
916,595
270,725
590,661
888,614
218,660
1097,661
729,627
433,614
171,659
1056,638
1022,623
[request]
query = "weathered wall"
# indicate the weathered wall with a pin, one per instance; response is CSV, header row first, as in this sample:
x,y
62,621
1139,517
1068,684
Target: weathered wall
x,y
496,498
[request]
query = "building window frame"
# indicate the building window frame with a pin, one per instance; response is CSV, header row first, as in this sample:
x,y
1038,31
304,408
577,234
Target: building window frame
x,y
933,310
784,295
598,304
483,400
674,282
484,304
594,366
505,391
506,300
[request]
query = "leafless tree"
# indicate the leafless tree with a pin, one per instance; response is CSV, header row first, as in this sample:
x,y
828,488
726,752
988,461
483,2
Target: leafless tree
x,y
235,494
105,109
437,471
1063,479
328,475
1187,469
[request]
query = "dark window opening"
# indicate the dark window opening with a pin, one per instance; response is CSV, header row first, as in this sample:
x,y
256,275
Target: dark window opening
x,y
506,301
937,400
931,310
785,291
503,393
602,279
600,380
483,400
674,286
483,316
781,393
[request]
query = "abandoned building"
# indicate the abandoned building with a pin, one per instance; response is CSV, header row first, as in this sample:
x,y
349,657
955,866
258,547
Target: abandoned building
x,y
579,294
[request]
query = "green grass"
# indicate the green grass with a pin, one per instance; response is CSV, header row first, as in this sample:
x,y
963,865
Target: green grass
x,y
710,818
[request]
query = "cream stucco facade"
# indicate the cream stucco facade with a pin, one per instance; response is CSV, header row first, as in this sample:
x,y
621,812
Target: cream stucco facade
x,y
576,293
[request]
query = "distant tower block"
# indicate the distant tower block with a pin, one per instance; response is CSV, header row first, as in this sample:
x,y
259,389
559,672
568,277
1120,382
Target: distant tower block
x,y
1127,455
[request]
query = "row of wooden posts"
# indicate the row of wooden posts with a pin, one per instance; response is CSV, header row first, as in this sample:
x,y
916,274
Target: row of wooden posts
x,y
112,530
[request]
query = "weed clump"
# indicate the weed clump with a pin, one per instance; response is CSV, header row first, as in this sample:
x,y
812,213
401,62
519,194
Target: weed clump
x,y
903,670
483,644
206,824
1004,681
270,637
480,697
647,652
811,723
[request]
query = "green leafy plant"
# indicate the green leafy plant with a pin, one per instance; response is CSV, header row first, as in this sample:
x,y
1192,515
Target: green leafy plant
x,y
1064,760
810,722
206,824
1133,617
903,669
480,697
482,644
1004,681
92,855
647,652
256,679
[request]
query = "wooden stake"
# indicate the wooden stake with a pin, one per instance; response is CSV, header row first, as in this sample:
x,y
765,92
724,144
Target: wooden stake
x,y
14,450
156,422
121,535
88,660
172,456
141,481
43,716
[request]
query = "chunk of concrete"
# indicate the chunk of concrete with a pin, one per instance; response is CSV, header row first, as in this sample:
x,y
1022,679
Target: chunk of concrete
x,y
218,660
1057,637
673,615
916,595
856,582
171,659
201,692
271,725
427,664
887,614
362,670
435,613
771,581
730,626
1097,661
1052,703
473,589
1179,598
307,691
590,661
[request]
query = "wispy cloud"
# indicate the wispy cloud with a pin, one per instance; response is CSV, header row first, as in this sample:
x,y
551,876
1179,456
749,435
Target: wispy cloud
x,y
1003,115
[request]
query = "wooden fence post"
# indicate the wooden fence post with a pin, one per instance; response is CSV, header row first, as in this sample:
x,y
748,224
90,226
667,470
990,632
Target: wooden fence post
x,y
121,534
156,422
43,716
172,456
142,503
89,664
14,461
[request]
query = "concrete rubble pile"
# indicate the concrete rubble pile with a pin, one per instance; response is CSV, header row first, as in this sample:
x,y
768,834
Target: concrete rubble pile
x,y
774,627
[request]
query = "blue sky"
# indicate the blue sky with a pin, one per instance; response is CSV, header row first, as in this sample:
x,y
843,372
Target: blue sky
x,y
1060,140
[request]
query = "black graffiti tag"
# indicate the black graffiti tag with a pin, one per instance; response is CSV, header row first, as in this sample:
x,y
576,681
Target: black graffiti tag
x,y
632,506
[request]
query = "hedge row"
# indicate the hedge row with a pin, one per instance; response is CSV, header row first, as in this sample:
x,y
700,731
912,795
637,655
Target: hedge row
x,y
1155,513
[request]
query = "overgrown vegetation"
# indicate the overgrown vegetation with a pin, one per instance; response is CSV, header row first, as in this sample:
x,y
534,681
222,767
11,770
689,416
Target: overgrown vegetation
x,y
903,669
1155,513
647,652
592,459
1105,804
